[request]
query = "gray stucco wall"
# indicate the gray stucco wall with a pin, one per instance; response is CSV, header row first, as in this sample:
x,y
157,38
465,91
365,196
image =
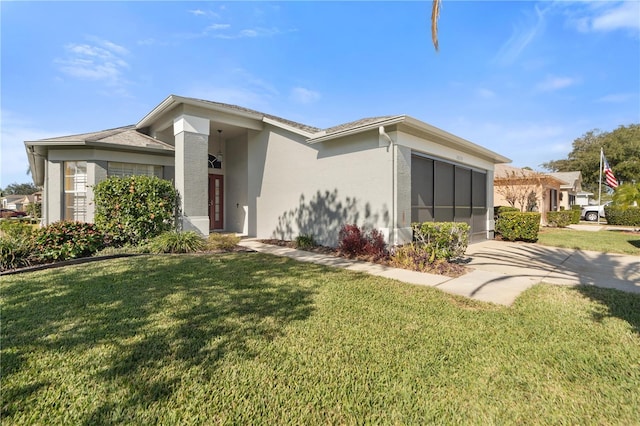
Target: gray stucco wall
x,y
299,188
236,183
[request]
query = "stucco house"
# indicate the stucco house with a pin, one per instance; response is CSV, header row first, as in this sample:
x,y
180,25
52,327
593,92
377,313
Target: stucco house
x,y
19,202
531,190
571,189
240,170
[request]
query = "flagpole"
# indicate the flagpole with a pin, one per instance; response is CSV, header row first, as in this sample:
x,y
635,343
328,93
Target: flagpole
x,y
600,185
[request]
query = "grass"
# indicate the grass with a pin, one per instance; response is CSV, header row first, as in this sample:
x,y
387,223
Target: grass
x,y
246,338
604,241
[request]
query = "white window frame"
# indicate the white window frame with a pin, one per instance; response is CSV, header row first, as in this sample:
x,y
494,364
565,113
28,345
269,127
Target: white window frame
x,y
75,190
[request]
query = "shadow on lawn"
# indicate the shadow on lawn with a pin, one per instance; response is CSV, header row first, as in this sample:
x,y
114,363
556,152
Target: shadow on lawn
x,y
162,314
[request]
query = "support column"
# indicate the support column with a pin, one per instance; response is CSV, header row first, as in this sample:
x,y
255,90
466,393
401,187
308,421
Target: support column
x,y
191,173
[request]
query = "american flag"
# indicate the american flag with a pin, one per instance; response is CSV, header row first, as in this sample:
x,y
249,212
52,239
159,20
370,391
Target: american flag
x,y
609,179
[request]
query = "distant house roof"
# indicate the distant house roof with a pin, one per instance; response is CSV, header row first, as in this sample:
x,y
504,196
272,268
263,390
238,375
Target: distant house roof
x,y
571,179
505,172
13,198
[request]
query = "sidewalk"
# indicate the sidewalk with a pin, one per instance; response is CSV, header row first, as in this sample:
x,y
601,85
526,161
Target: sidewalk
x,y
487,286
501,271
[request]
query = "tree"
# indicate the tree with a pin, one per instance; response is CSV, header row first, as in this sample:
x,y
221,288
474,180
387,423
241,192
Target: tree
x,y
20,189
621,147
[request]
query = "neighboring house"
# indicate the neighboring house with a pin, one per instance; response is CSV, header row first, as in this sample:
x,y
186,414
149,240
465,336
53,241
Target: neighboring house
x,y
239,170
571,189
14,202
531,190
20,202
582,198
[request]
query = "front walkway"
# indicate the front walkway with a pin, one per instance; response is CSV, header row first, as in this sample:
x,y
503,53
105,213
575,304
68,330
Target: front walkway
x,y
501,271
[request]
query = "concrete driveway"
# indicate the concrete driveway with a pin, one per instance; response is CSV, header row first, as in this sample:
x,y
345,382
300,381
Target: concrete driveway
x,y
556,265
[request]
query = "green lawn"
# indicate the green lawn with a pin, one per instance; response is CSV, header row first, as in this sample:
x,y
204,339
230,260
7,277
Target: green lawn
x,y
248,338
604,241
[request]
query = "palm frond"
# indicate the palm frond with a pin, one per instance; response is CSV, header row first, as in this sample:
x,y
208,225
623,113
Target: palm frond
x,y
435,14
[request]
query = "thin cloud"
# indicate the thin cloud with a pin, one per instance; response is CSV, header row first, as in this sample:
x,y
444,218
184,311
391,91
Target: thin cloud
x,y
100,60
616,98
248,33
304,96
623,16
553,83
485,93
523,35
604,16
217,27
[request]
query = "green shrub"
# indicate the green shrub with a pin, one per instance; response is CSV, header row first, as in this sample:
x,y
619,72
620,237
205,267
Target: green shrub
x,y
67,240
132,209
498,210
518,226
560,219
17,229
575,210
225,242
15,252
417,257
412,256
623,216
34,209
443,240
177,242
305,242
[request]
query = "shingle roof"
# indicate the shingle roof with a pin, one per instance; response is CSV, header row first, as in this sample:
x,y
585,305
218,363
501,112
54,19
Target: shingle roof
x,y
569,177
355,124
125,136
306,128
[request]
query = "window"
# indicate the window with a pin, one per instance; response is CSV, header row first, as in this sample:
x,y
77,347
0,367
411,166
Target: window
x,y
131,169
75,190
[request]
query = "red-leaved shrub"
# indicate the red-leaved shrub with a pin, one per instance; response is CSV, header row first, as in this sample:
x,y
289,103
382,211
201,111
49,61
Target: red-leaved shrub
x,y
353,242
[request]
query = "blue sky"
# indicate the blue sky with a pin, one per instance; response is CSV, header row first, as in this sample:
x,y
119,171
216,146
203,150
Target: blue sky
x,y
521,78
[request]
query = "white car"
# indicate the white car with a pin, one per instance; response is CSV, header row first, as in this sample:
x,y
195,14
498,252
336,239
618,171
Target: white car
x,y
590,213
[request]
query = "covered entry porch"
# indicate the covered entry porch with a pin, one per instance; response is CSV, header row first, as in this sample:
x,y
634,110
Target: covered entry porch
x,y
211,161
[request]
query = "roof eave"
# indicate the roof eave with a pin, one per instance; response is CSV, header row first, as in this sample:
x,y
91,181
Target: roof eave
x,y
157,111
457,140
174,100
36,163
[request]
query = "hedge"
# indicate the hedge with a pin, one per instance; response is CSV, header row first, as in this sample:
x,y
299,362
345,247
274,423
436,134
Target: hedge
x,y
625,216
576,210
518,226
135,208
560,219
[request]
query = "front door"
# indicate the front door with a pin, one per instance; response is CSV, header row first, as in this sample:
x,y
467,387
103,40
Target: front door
x,y
216,201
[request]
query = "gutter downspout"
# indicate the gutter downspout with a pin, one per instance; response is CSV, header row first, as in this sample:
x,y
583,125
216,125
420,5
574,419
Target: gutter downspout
x,y
392,230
